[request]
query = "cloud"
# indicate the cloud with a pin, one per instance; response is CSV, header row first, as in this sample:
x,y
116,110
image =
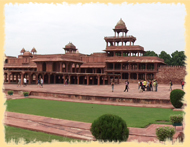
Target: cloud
x,y
49,27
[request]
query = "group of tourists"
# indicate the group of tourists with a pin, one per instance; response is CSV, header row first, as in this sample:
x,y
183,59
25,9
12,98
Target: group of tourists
x,y
148,85
182,84
40,82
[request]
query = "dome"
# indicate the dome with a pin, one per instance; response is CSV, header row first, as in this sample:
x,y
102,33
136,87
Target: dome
x,y
70,45
22,51
27,53
33,50
120,25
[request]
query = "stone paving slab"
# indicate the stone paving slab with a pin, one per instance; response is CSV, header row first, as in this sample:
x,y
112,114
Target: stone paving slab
x,y
73,129
101,90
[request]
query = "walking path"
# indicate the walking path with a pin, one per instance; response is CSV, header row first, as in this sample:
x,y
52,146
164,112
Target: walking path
x,y
73,129
101,90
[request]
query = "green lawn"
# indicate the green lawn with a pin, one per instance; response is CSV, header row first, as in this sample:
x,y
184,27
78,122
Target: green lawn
x,y
134,116
31,136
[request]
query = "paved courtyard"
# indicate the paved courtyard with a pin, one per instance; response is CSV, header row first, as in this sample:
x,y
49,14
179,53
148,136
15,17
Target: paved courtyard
x,y
102,90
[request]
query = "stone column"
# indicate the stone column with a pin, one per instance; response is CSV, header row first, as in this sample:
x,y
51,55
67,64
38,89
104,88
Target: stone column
x,y
78,79
87,78
61,66
118,80
17,78
5,78
75,67
155,67
104,80
98,80
63,79
109,82
22,78
129,76
29,78
79,69
9,78
69,79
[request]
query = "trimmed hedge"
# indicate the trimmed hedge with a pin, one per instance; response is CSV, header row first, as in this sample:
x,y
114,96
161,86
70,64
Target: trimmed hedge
x,y
26,93
10,92
164,133
176,97
176,119
110,127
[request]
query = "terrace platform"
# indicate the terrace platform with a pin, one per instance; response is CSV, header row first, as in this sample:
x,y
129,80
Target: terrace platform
x,y
102,94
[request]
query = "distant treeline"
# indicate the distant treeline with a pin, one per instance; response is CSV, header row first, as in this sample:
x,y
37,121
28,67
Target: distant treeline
x,y
176,58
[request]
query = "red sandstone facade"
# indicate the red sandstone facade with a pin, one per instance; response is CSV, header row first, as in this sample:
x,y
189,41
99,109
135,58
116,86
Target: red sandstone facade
x,y
121,60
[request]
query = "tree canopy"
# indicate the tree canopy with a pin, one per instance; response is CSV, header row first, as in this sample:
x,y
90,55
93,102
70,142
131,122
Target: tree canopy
x,y
167,58
150,53
177,58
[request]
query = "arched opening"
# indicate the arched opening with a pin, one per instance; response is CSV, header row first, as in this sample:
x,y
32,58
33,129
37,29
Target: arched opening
x,y
46,79
44,66
33,78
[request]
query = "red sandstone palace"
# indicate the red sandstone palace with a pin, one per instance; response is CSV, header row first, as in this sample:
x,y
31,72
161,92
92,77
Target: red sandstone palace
x,y
121,60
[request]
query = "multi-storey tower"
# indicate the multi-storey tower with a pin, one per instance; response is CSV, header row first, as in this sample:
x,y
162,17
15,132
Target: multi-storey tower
x,y
125,58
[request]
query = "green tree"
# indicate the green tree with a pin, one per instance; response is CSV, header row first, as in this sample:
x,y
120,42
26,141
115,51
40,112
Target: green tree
x,y
178,58
167,58
150,53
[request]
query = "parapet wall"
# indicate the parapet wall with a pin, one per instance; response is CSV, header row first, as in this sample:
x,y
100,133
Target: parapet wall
x,y
174,73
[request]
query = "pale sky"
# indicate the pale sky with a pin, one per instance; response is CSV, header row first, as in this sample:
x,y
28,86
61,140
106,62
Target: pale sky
x,y
49,27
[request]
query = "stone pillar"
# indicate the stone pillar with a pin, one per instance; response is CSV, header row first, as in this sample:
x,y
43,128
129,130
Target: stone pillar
x,y
63,79
9,78
78,79
69,79
16,78
75,67
129,66
85,70
114,54
22,78
5,78
104,80
79,69
87,78
66,66
118,80
109,82
29,78
98,80
61,66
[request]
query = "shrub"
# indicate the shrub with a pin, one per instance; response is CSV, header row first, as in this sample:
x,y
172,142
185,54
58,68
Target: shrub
x,y
176,119
110,127
26,93
164,133
176,97
10,92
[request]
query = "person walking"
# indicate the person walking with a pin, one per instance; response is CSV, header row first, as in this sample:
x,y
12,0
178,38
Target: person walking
x,y
148,86
112,85
25,81
126,85
170,85
41,81
38,83
156,85
182,84
19,82
151,88
138,84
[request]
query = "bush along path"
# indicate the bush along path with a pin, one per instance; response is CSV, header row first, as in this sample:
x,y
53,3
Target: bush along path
x,y
74,129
